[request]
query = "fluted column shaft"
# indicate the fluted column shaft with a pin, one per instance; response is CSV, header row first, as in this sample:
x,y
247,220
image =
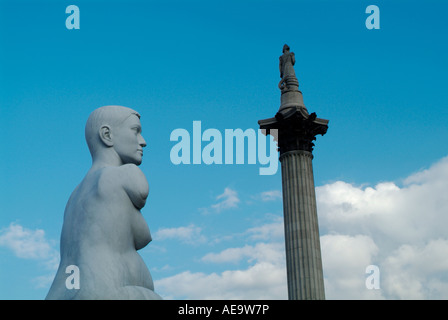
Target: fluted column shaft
x,y
303,254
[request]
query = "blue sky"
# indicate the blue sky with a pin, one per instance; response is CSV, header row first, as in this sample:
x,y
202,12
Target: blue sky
x,y
384,92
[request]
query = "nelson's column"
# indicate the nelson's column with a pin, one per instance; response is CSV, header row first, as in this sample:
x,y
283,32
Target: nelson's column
x,y
297,129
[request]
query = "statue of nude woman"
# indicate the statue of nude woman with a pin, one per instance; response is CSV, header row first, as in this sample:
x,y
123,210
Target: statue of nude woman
x,y
103,227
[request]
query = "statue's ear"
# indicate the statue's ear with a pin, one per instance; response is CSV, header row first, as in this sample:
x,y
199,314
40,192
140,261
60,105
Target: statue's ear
x,y
106,135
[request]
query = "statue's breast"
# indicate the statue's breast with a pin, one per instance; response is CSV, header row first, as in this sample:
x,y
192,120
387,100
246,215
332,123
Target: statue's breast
x,y
140,230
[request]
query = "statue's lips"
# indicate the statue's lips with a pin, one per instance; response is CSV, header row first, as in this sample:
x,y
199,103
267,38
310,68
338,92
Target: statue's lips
x,y
140,151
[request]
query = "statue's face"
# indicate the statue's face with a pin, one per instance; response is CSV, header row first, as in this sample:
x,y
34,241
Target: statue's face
x,y
128,140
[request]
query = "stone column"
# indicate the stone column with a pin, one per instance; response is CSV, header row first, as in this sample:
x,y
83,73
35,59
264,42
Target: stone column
x,y
295,129
304,264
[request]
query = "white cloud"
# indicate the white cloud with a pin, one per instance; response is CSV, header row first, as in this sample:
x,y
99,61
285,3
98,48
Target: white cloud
x,y
418,272
260,270
436,174
400,229
263,280
271,195
345,259
190,234
28,244
43,281
268,231
32,244
227,200
260,252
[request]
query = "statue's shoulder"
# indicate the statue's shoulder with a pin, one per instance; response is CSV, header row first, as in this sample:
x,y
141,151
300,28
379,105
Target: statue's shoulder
x,y
127,177
135,184
132,172
123,176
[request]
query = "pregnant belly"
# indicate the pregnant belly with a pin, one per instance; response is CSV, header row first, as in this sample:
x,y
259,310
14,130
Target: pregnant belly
x,y
137,272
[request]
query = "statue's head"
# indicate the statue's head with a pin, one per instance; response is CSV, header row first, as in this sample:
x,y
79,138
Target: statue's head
x,y
285,48
117,129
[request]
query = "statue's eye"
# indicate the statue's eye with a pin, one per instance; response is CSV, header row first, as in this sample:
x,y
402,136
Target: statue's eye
x,y
137,130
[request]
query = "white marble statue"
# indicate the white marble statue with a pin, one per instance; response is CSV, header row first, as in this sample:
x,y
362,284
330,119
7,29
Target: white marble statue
x,y
103,226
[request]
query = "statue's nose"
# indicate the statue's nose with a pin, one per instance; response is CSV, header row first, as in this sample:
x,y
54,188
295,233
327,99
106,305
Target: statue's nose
x,y
142,141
